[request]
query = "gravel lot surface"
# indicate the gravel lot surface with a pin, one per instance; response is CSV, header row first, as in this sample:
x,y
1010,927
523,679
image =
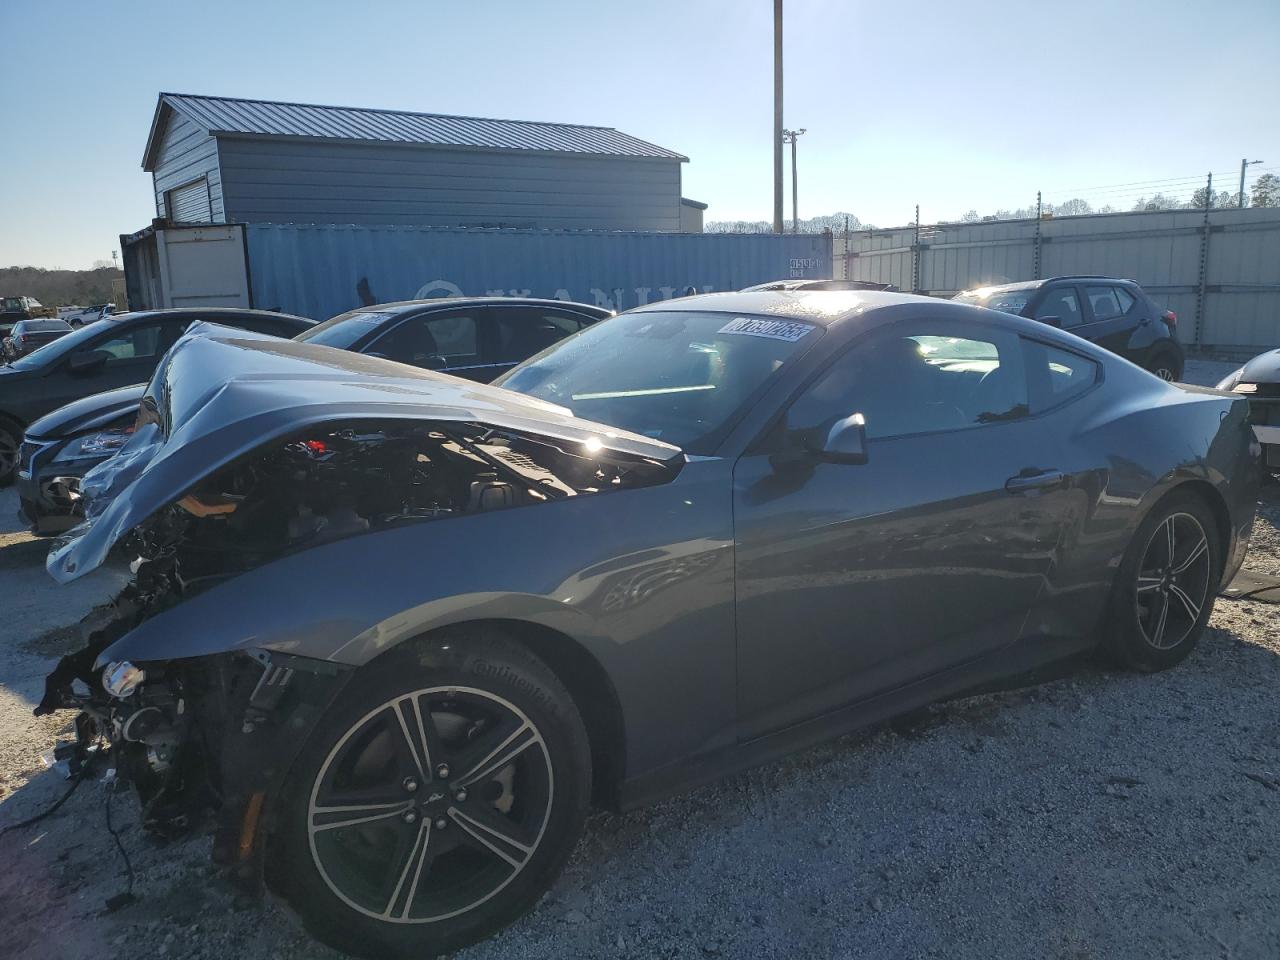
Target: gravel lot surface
x,y
1096,814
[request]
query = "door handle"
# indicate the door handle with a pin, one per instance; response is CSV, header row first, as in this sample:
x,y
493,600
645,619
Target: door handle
x,y
1043,480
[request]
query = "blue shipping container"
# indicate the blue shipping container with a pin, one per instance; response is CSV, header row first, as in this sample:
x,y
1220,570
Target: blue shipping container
x,y
321,270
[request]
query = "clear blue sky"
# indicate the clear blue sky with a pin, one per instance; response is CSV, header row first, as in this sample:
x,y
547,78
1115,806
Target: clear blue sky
x,y
953,105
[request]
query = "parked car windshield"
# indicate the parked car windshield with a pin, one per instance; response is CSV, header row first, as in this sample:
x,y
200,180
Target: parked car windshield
x,y
1006,301
63,346
681,377
345,329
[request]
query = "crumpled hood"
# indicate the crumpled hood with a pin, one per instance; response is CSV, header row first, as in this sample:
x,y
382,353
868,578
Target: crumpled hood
x,y
221,393
1264,368
89,413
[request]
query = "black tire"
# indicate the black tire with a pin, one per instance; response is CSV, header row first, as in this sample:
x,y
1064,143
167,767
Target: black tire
x,y
1165,363
10,438
336,879
1135,635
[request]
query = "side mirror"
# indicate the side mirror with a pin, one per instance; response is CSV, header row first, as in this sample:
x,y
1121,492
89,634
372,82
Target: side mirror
x,y
87,361
1051,321
846,441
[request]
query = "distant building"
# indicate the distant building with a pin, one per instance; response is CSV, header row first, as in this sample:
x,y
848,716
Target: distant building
x,y
691,215
220,160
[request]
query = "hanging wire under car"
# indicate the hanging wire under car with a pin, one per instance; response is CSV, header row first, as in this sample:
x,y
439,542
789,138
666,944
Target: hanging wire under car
x,y
32,821
126,897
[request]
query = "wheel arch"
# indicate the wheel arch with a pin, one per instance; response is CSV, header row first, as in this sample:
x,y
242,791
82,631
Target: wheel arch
x,y
588,684
1208,494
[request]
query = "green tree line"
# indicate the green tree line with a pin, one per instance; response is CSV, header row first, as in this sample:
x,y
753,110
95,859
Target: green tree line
x,y
57,288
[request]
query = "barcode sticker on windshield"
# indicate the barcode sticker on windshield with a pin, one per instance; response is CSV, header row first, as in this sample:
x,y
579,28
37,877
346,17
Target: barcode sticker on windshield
x,y
788,330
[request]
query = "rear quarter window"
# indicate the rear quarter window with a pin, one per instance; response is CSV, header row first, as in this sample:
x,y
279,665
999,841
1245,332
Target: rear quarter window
x,y
1058,376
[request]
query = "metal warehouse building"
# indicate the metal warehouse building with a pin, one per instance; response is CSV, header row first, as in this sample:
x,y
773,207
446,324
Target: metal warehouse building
x,y
223,160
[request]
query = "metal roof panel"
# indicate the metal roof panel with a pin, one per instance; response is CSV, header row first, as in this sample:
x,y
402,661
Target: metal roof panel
x,y
229,115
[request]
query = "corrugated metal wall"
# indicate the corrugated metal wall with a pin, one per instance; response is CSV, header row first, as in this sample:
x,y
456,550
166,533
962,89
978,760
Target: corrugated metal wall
x,y
322,270
1240,304
318,181
187,153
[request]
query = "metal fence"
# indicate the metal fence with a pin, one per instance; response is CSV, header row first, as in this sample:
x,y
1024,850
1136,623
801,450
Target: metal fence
x,y
322,270
1219,269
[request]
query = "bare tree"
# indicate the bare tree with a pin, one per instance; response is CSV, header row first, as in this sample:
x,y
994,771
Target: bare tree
x,y
1266,191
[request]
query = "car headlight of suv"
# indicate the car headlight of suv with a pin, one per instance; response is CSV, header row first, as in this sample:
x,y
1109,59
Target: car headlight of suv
x,y
102,443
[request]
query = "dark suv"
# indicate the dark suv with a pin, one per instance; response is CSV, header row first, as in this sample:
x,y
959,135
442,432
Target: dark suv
x,y
111,353
1115,314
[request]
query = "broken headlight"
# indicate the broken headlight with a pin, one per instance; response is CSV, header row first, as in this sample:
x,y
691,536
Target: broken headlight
x,y
120,679
101,443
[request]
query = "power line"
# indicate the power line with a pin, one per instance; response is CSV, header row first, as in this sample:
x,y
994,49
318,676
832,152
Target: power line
x,y
1137,183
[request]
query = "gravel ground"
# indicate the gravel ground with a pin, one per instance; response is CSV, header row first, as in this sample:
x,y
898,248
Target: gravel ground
x,y
1098,814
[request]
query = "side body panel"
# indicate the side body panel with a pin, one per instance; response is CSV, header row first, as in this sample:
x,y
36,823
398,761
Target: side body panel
x,y
855,579
1123,456
643,579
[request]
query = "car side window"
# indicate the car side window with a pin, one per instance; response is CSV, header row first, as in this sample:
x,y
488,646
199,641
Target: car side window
x,y
143,342
1125,299
920,378
520,332
437,341
1104,303
1063,304
1057,375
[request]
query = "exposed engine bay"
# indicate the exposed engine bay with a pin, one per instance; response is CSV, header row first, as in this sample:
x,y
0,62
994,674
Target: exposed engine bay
x,y
204,734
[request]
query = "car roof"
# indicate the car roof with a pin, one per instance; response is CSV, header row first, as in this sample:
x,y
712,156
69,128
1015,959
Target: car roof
x,y
436,303
1035,284
822,307
224,312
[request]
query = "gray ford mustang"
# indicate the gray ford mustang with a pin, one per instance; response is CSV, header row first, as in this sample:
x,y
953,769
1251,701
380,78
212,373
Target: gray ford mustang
x,y
399,631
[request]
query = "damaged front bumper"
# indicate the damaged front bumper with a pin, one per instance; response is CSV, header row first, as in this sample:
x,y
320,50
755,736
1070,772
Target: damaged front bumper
x,y
199,738
248,450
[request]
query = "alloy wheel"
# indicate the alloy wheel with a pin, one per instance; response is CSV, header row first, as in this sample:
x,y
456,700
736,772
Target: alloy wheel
x,y
1173,581
1164,373
430,804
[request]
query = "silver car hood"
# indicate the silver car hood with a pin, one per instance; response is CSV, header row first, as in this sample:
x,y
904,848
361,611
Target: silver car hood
x,y
221,393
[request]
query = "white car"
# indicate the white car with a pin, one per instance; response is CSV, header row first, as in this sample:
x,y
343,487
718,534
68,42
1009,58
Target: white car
x,y
83,315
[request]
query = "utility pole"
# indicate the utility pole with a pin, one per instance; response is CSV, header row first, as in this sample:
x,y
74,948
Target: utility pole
x,y
790,136
777,116
1244,164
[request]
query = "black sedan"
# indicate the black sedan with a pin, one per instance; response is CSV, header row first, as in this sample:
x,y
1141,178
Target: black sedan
x,y
27,336
473,338
405,630
115,352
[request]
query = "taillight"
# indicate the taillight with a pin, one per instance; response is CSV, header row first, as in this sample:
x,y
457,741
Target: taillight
x,y
1170,318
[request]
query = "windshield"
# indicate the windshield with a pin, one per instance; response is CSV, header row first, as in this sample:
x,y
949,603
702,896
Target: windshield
x,y
345,329
1006,301
680,377
63,346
